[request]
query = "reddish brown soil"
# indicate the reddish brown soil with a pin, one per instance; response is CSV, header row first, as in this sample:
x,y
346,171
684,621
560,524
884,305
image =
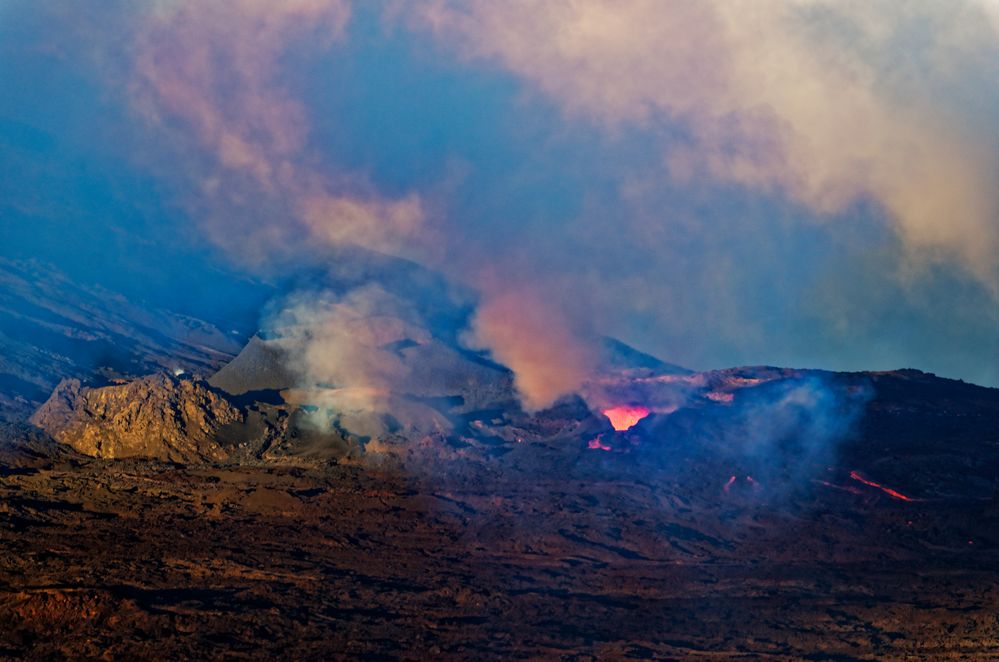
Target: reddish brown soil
x,y
121,560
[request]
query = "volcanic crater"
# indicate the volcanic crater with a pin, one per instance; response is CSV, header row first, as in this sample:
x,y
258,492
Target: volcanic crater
x,y
660,513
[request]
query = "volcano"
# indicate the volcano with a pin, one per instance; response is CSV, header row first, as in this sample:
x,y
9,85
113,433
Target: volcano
x,y
659,513
477,330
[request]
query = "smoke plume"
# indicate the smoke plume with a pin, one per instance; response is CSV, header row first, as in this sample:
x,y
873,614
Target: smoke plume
x,y
719,182
526,334
334,339
214,72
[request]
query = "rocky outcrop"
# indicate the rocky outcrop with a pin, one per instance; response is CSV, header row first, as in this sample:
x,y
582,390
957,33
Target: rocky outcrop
x,y
157,416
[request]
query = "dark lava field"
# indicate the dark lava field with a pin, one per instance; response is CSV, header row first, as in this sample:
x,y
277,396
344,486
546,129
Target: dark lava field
x,y
230,512
554,550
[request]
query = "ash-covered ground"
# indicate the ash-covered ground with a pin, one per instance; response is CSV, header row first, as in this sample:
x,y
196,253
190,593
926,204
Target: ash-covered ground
x,y
252,513
553,549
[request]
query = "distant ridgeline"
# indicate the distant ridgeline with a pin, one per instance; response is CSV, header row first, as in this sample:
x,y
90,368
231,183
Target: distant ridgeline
x,y
53,328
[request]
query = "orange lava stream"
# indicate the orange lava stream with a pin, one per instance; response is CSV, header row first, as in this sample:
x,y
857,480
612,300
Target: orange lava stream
x,y
887,490
623,417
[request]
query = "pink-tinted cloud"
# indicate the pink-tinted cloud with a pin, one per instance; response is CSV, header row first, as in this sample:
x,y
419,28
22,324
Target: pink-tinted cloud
x,y
528,332
212,73
814,99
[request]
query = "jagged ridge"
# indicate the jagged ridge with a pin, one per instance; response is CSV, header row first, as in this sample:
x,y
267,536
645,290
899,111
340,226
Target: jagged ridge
x,y
157,416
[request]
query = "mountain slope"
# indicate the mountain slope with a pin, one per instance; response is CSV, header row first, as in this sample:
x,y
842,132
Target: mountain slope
x,y
52,328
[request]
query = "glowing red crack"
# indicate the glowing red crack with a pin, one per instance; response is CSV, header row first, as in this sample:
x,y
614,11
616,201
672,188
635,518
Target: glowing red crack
x,y
887,490
598,444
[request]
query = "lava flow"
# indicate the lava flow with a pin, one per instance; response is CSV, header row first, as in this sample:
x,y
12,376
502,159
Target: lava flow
x,y
624,417
887,490
598,444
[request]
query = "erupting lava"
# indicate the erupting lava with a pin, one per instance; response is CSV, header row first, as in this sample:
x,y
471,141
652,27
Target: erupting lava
x,y
624,417
598,444
887,490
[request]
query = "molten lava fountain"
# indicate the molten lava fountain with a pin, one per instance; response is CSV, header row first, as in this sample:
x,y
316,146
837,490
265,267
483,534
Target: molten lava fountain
x,y
624,417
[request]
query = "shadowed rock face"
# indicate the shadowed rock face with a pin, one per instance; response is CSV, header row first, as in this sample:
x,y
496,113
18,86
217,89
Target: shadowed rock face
x,y
260,366
52,328
156,416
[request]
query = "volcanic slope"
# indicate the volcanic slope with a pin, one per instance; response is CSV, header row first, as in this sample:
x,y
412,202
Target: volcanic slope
x,y
755,512
52,328
663,542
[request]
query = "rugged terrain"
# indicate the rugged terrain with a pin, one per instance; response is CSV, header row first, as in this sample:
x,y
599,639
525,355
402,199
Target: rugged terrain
x,y
158,417
52,328
258,511
645,546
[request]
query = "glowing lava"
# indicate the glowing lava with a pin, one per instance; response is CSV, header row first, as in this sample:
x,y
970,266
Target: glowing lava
x,y
598,444
887,490
624,417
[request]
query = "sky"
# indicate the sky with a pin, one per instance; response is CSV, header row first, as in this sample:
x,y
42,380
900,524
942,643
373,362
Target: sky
x,y
796,183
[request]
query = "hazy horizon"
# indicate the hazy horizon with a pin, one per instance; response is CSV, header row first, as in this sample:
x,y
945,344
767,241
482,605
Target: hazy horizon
x,y
807,184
